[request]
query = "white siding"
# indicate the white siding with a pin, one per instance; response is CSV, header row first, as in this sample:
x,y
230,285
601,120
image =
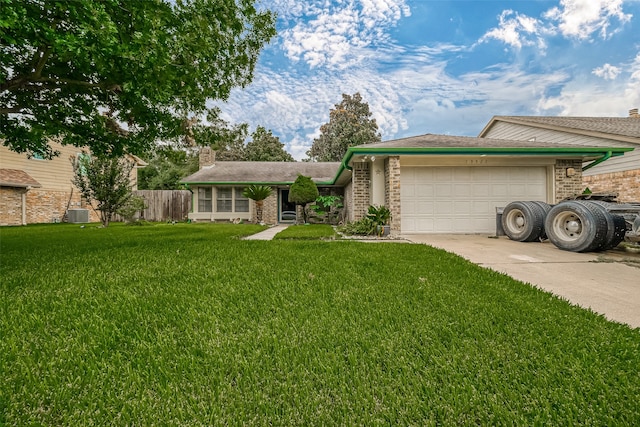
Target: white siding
x,y
519,132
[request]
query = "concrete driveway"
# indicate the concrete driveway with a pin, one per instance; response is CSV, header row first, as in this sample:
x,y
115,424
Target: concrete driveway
x,y
607,282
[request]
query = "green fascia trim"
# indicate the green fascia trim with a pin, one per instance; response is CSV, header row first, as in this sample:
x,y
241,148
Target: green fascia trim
x,y
534,151
246,184
477,151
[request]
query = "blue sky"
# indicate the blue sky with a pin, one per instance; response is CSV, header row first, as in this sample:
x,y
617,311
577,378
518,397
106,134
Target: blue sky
x,y
444,67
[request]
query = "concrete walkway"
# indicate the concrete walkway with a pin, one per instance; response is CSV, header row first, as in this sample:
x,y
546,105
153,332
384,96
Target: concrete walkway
x,y
607,282
267,234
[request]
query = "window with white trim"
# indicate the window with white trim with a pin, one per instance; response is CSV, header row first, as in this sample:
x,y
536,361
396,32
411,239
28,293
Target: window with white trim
x,y
241,203
224,199
205,199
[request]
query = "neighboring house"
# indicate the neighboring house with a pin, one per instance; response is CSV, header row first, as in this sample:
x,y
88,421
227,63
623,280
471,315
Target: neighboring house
x,y
431,183
620,175
35,190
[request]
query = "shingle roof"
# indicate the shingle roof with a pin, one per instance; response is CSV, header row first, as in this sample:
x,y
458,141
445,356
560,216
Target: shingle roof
x,y
619,126
263,172
449,141
17,178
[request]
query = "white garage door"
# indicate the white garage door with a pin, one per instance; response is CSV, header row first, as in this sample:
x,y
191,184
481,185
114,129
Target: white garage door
x,y
464,199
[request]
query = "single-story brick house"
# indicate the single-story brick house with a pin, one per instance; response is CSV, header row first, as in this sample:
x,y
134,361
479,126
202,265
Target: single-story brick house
x,y
431,183
618,175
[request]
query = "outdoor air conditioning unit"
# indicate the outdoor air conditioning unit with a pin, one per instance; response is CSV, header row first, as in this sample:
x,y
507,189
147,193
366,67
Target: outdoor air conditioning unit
x,y
77,216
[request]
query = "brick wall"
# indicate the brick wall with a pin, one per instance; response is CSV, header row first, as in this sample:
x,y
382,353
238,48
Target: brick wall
x,y
392,191
48,206
361,191
626,184
567,186
11,205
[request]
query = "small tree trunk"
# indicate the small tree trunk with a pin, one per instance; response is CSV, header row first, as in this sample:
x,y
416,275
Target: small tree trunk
x,y
259,211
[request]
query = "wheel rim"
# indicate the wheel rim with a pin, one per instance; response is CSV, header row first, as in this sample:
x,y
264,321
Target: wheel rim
x,y
515,221
568,226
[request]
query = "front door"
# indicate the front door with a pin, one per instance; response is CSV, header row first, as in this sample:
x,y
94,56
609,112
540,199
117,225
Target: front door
x,y
287,210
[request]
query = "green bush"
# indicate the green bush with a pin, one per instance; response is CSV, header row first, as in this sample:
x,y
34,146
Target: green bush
x,y
364,227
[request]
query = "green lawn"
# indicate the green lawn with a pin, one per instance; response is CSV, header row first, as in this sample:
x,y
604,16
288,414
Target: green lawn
x,y
307,232
189,325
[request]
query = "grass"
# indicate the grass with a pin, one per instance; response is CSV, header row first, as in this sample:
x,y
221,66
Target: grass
x,y
307,232
189,325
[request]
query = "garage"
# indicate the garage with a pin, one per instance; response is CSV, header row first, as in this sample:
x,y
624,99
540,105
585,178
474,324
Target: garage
x,y
464,199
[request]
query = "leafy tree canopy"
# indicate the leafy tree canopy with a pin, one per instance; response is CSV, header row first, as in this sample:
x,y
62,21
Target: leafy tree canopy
x,y
230,145
266,147
167,165
117,75
350,124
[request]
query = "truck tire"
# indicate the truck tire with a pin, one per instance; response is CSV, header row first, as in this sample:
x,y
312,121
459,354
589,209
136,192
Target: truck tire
x,y
523,221
546,207
576,226
616,226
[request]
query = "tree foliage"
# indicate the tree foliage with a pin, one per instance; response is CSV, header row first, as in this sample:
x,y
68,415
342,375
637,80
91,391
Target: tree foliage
x,y
266,147
263,147
167,165
350,124
117,75
302,192
104,180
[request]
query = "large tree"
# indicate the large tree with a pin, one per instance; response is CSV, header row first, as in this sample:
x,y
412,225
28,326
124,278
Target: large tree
x,y
266,147
117,75
167,165
350,124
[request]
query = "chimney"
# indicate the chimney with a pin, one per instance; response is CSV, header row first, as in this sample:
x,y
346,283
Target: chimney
x,y
206,157
634,113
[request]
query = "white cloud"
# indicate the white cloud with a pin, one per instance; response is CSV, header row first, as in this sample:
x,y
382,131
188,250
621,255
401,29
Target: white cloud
x,y
336,33
607,72
517,30
581,18
578,19
583,97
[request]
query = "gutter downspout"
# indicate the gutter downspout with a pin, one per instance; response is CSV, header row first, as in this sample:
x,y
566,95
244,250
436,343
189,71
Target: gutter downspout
x,y
596,162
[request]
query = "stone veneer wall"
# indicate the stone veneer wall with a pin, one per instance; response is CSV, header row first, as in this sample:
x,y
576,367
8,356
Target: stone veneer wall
x,y
269,208
392,191
567,186
361,190
626,184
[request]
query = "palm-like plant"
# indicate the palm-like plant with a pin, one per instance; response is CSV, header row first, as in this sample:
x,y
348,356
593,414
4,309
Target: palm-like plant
x,y
257,193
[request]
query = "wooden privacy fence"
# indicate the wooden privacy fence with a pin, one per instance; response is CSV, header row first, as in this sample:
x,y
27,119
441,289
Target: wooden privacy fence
x,y
165,205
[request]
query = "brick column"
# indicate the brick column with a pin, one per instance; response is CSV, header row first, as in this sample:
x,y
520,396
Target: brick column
x,y
392,191
361,189
567,186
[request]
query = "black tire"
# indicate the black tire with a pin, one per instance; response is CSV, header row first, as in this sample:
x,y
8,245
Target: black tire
x,y
576,226
616,226
523,221
546,207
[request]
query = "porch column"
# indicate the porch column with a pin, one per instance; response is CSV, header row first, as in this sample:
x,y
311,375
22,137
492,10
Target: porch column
x,y
361,178
392,191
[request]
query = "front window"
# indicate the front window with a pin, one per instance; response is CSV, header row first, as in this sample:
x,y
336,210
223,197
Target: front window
x,y
204,199
224,199
241,202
